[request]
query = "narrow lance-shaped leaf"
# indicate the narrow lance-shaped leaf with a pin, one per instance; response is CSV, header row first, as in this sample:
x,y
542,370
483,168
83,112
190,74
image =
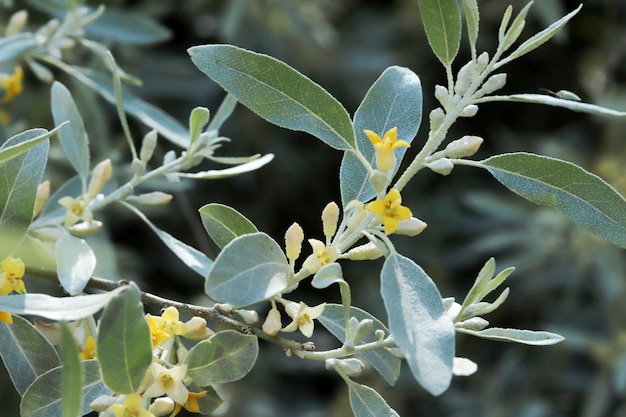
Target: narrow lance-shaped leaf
x,y
73,137
559,102
224,223
124,345
26,352
225,357
213,174
418,322
19,179
527,337
394,100
442,22
71,373
366,402
580,195
472,18
276,92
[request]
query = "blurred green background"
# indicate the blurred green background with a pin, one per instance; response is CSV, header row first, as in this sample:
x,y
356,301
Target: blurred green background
x,y
566,280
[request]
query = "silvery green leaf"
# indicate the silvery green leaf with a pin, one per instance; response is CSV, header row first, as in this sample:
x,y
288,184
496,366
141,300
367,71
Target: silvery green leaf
x,y
229,172
418,322
366,402
527,337
198,118
223,112
329,274
75,263
12,47
71,374
515,30
223,223
560,102
472,18
15,146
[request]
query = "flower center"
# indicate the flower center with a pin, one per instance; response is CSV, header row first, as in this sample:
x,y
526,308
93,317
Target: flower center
x,y
166,381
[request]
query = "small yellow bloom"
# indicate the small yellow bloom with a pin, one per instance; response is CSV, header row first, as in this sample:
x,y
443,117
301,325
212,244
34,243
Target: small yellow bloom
x,y
12,84
76,210
131,407
6,317
11,272
169,322
169,382
322,255
89,350
303,317
390,210
385,146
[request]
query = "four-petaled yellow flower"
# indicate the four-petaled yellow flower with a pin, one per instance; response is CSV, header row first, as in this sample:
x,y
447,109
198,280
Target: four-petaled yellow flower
x,y
322,255
11,272
169,382
191,404
303,317
6,317
390,210
12,84
385,147
89,350
131,407
76,210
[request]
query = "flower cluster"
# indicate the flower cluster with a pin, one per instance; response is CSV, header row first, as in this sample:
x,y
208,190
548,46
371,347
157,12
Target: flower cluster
x,y
11,273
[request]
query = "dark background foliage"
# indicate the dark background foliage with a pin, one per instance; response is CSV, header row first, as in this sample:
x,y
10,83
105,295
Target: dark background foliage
x,y
566,280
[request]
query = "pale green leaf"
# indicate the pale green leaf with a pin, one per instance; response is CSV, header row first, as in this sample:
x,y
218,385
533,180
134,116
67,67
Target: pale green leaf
x,y
580,195
223,112
442,22
44,397
11,149
228,172
418,322
75,263
73,137
472,18
15,46
223,223
192,257
198,118
329,274
394,100
225,357
26,352
382,360
513,33
559,102
527,337
57,308
250,269
366,402
71,373
276,92
124,345
19,179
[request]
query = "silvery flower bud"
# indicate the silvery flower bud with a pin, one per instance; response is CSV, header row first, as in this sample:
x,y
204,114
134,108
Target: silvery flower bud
x,y
16,23
100,175
493,83
464,78
161,406
411,227
465,146
436,118
481,62
441,94
351,366
148,145
330,218
249,316
475,323
366,252
137,167
272,324
441,166
469,111
293,241
154,198
363,330
84,229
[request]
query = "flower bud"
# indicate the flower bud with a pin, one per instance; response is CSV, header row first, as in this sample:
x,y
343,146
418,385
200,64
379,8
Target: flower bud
x,y
103,402
100,175
366,252
465,146
43,193
272,324
411,227
148,145
330,218
363,330
84,229
293,241
441,94
249,316
155,198
196,329
469,111
474,323
137,167
379,180
441,166
172,178
161,406
481,62
436,118
464,78
169,157
493,83
463,367
351,366
16,23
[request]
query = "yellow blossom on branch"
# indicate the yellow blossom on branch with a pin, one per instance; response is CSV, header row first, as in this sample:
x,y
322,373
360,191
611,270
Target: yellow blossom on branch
x,y
390,210
89,350
169,382
385,147
131,407
12,84
303,317
11,272
6,317
76,210
322,255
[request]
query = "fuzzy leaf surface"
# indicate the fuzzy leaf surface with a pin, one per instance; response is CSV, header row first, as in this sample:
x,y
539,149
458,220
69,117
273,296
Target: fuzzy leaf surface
x,y
223,223
71,374
366,402
76,262
527,337
442,22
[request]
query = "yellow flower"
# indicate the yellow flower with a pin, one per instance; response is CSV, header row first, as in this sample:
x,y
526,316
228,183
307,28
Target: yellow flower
x,y
322,255
12,271
6,317
385,146
169,382
12,84
303,317
76,210
191,404
89,350
390,210
131,407
169,322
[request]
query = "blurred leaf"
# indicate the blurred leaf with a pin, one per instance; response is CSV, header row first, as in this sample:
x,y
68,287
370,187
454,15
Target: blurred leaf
x,y
382,360
223,112
394,100
580,195
71,373
527,337
192,257
124,345
213,174
43,397
418,322
57,308
73,137
560,102
442,22
197,120
19,179
75,263
366,402
123,26
225,357
276,92
209,402
250,269
223,223
472,19
26,352
10,150
15,46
